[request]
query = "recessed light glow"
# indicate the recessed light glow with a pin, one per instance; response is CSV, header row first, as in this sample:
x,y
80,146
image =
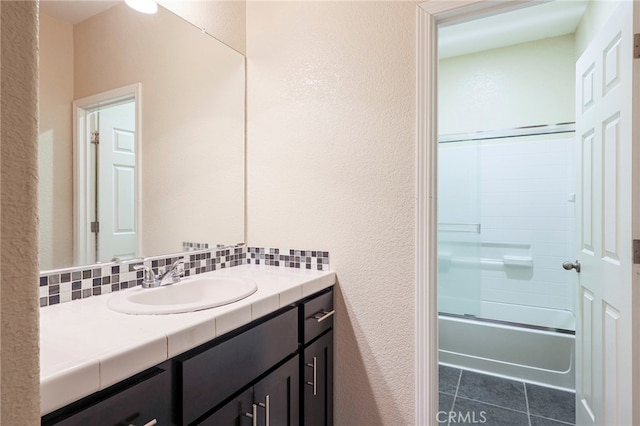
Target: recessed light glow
x,y
143,6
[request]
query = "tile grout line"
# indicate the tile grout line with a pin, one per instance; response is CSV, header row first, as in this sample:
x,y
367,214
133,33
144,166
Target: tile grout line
x,y
482,401
455,395
494,405
562,422
526,401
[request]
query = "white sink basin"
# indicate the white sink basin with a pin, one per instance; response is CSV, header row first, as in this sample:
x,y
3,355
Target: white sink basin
x,y
191,294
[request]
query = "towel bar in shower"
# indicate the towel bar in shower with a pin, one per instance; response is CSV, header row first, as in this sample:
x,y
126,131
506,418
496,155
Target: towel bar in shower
x,y
473,228
506,261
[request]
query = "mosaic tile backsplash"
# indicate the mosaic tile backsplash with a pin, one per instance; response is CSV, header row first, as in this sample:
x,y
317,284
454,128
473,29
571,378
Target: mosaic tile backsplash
x,y
191,246
65,285
304,259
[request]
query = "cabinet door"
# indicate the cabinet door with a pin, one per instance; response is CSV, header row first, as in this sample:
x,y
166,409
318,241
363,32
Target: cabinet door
x,y
233,413
277,396
211,376
318,382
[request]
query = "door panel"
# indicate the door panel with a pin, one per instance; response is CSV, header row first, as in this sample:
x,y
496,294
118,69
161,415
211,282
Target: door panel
x,y
124,199
124,190
604,131
117,183
611,188
586,235
586,349
611,356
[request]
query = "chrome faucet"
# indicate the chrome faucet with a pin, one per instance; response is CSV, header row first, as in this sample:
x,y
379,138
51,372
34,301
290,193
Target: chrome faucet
x,y
170,276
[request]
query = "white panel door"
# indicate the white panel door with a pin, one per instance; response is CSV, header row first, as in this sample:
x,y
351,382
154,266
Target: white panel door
x,y
117,187
604,138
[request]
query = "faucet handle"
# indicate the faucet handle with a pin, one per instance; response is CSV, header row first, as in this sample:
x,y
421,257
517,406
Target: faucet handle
x,y
149,280
172,274
177,268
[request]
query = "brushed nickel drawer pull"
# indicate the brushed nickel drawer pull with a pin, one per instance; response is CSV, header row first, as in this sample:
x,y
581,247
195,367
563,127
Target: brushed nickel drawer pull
x,y
323,315
315,375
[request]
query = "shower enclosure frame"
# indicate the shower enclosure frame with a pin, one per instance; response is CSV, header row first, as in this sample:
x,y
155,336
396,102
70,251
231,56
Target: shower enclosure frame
x,y
524,134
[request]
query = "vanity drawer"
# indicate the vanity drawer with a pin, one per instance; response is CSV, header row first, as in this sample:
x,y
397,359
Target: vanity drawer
x,y
146,400
317,315
211,376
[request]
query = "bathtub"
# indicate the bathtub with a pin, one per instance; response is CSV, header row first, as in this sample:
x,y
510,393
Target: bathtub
x,y
528,354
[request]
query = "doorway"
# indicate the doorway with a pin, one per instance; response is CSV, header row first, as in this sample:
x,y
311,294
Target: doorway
x,y
506,208
433,15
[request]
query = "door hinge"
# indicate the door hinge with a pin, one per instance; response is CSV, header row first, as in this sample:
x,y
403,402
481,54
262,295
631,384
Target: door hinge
x,y
636,252
636,46
95,138
95,227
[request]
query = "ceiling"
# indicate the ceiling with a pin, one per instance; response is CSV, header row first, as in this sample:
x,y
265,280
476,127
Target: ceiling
x,y
544,20
74,11
551,19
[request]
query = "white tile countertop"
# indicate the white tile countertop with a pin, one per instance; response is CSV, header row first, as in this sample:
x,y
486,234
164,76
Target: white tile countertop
x,y
86,347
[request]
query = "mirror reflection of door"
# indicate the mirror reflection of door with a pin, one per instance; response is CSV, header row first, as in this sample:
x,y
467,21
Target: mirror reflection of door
x,y
107,176
116,183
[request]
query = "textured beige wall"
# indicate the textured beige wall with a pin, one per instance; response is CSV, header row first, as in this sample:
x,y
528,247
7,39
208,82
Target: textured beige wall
x,y
19,383
331,117
225,20
55,188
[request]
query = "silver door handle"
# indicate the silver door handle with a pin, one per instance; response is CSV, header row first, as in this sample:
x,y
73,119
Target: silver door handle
x,y
315,375
569,266
323,315
266,409
253,415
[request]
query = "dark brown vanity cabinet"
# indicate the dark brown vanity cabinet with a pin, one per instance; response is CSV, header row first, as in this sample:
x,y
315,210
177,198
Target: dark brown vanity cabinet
x,y
275,371
317,356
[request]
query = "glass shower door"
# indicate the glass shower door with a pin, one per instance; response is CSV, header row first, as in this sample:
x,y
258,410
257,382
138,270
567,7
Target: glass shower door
x,y
459,246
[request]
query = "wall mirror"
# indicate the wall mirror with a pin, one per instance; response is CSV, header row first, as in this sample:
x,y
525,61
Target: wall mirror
x,y
183,180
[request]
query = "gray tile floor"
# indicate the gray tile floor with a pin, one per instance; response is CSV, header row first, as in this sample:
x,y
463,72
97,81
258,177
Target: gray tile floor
x,y
467,397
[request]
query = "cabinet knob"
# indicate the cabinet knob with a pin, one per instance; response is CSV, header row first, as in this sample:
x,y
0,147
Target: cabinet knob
x,y
253,415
